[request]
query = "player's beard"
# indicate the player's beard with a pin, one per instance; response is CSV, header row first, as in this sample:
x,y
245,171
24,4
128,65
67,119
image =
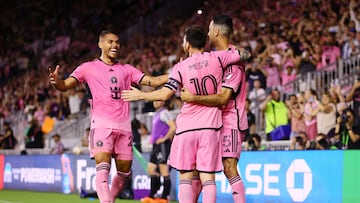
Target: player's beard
x,y
113,56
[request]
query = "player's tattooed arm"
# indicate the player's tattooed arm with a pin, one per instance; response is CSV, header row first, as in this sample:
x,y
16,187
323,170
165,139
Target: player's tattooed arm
x,y
244,54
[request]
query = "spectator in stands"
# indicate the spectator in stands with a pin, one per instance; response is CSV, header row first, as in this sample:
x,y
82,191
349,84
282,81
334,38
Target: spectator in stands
x,y
310,112
251,120
34,136
8,140
326,116
350,48
287,77
40,113
59,146
354,96
330,51
276,112
74,102
256,72
347,131
337,98
257,95
296,111
307,62
273,70
355,13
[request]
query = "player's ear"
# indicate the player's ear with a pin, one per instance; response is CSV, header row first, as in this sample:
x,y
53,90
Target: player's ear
x,y
217,31
100,44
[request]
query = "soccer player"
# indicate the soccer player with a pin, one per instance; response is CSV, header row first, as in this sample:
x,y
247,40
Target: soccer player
x,y
232,97
196,144
162,133
110,134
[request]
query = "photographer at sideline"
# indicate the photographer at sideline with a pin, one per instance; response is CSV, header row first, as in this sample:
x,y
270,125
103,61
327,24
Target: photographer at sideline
x,y
299,142
254,143
347,131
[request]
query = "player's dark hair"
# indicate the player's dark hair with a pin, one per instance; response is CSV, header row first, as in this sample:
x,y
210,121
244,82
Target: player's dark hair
x,y
196,36
106,32
226,21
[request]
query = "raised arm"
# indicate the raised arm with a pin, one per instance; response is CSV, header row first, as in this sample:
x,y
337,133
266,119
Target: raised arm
x,y
134,94
154,81
350,96
208,100
62,85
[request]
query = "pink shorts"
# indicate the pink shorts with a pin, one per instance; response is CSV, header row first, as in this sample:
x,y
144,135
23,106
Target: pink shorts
x,y
231,140
114,141
196,150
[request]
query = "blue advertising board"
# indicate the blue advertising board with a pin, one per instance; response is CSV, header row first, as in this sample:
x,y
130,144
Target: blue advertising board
x,y
66,173
40,173
287,176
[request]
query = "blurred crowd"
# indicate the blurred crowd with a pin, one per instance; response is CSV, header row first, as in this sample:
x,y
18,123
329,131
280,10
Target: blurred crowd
x,y
288,38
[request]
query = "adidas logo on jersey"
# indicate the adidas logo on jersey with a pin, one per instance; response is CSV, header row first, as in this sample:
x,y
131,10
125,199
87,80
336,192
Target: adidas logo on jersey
x,y
227,150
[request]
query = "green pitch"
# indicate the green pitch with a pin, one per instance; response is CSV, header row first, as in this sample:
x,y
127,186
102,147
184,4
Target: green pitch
x,y
17,196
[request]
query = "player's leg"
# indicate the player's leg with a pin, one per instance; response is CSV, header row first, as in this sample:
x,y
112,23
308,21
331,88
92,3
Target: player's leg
x,y
231,148
183,158
165,173
185,194
208,161
196,186
209,186
123,160
236,183
154,178
164,168
100,149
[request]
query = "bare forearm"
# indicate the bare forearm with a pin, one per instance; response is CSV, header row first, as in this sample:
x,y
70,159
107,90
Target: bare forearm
x,y
209,100
157,95
154,81
354,137
350,95
60,85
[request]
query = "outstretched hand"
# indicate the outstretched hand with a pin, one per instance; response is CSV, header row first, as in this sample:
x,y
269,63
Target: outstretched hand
x,y
53,74
186,95
133,94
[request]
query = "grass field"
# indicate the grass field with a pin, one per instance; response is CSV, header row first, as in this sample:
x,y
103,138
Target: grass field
x,y
16,196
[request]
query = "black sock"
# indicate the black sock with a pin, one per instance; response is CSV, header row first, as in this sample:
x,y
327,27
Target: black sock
x,y
154,185
91,194
167,187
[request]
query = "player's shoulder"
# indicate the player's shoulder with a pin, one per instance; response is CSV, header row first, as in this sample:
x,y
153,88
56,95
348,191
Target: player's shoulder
x,y
90,62
218,52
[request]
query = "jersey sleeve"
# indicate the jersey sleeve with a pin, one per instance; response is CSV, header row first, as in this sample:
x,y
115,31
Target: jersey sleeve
x,y
135,74
79,73
232,77
228,57
175,79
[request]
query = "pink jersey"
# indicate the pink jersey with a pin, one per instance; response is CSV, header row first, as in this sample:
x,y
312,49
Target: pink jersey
x,y
105,83
201,74
234,114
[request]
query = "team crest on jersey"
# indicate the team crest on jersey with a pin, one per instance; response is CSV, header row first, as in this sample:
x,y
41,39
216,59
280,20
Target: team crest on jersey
x,y
99,143
113,80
